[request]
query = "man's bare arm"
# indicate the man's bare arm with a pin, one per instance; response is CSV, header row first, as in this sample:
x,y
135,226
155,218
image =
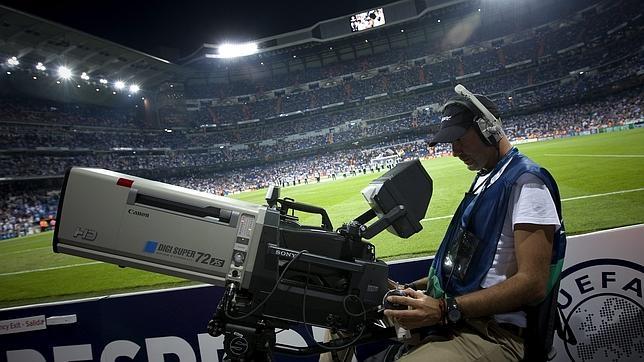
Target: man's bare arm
x,y
533,250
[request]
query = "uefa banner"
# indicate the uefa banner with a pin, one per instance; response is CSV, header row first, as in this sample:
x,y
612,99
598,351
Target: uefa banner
x,y
600,298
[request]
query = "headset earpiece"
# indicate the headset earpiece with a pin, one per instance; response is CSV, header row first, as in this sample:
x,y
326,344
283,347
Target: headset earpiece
x,y
490,131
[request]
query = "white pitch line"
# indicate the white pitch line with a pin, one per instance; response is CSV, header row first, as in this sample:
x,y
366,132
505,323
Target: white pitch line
x,y
436,218
25,251
52,268
604,194
562,200
588,155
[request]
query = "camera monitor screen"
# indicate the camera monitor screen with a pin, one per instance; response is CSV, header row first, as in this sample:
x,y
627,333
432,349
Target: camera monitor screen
x,y
409,185
367,20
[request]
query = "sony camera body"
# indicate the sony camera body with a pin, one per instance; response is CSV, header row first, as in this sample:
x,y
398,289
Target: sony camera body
x,y
276,272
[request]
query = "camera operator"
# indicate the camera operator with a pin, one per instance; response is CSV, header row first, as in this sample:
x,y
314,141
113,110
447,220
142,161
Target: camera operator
x,y
496,255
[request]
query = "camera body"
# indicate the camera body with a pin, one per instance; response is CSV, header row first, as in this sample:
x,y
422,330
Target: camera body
x,y
276,272
134,222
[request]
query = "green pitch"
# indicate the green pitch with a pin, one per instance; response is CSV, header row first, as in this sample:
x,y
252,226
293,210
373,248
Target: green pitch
x,y
601,179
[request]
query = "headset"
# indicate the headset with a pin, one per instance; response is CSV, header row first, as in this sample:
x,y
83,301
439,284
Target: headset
x,y
488,125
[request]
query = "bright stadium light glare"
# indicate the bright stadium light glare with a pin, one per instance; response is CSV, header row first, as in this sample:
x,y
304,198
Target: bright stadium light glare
x,y
134,88
64,72
13,61
84,76
40,66
229,50
119,84
102,81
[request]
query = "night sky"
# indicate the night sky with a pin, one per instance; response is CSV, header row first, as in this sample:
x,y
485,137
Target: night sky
x,y
186,24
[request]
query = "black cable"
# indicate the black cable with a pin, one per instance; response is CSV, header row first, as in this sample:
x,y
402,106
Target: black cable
x,y
288,265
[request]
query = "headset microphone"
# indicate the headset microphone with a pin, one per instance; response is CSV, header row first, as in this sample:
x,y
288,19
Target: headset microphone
x,y
488,124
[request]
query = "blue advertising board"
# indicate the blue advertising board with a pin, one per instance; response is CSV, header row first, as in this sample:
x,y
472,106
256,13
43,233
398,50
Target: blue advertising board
x,y
167,325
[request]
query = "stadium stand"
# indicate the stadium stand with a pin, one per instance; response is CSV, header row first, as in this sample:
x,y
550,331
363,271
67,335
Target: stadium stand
x,y
556,75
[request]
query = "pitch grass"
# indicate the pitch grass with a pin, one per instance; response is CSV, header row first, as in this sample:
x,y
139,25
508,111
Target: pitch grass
x,y
583,166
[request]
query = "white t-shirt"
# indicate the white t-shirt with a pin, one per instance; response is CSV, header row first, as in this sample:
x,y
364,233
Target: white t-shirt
x,y
530,203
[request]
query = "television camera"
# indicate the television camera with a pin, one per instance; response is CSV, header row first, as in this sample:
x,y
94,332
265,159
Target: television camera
x,y
276,272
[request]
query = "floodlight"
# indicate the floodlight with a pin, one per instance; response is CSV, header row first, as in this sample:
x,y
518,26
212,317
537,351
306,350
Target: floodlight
x,y
84,76
103,81
64,72
13,61
134,88
40,66
8,72
119,84
228,50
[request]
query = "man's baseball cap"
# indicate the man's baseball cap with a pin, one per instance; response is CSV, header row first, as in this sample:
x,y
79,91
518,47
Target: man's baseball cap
x,y
458,116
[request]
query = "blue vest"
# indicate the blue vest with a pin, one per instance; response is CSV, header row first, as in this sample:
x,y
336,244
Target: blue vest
x,y
483,216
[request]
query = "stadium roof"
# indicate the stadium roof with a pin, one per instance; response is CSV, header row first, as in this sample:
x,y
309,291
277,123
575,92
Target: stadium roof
x,y
32,39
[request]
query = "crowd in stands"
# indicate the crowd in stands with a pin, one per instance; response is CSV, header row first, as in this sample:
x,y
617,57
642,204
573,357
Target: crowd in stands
x,y
44,112
511,81
563,121
26,213
35,164
21,213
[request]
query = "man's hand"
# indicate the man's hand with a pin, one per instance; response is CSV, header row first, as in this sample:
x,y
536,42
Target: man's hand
x,y
423,310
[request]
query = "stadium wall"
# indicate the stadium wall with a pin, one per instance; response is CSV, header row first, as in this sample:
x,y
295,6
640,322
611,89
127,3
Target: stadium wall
x,y
600,297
